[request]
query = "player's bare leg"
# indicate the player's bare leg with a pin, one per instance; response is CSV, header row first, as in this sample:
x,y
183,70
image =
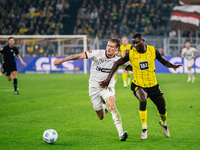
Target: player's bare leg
x,y
9,78
116,118
190,75
14,74
129,77
100,114
124,78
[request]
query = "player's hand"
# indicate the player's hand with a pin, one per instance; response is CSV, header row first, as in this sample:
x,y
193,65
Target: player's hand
x,y
104,84
23,63
176,66
58,62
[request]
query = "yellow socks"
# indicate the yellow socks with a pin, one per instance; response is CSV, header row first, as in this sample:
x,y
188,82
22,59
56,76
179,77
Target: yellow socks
x,y
129,74
163,118
143,118
129,77
124,77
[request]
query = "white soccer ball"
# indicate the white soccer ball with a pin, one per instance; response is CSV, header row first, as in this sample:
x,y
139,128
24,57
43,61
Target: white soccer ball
x,y
50,136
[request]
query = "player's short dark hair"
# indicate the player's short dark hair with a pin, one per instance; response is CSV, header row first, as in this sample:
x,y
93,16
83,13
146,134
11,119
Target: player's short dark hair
x,y
115,40
187,41
138,35
10,38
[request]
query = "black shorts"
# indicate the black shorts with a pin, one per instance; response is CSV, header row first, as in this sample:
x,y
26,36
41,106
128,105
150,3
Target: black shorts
x,y
152,91
7,69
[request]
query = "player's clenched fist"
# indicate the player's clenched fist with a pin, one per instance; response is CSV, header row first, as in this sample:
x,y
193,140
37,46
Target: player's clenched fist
x,y
58,62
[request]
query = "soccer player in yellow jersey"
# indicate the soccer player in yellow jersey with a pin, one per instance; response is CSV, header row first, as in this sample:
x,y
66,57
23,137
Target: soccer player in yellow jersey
x,y
123,50
144,84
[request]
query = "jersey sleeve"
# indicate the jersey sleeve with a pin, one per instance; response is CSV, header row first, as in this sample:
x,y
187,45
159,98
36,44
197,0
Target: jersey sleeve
x,y
158,55
195,50
92,54
183,51
126,58
16,51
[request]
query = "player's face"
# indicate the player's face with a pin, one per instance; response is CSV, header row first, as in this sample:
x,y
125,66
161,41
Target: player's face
x,y
124,41
187,44
11,42
139,44
110,49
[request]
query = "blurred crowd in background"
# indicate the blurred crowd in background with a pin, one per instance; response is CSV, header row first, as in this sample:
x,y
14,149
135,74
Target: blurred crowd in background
x,y
35,17
124,17
91,17
94,18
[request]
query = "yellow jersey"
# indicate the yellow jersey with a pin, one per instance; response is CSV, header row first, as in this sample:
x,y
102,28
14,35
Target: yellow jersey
x,y
143,66
124,48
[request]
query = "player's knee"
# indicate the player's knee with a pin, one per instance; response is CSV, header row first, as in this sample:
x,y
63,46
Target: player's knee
x,y
143,101
112,107
9,79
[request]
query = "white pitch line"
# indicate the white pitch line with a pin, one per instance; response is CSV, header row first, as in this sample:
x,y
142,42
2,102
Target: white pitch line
x,y
5,89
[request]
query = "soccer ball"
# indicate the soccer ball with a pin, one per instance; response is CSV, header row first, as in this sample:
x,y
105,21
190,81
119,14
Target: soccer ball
x,y
50,136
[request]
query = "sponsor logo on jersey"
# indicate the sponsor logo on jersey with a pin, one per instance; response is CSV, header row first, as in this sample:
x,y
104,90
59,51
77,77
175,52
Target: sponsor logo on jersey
x,y
100,61
106,70
144,65
90,52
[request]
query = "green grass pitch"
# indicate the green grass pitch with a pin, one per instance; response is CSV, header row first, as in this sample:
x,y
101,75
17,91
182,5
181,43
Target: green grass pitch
x,y
61,102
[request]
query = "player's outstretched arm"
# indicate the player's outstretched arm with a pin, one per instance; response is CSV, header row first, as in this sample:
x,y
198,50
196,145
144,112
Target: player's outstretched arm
x,y
68,58
20,59
105,83
167,64
196,53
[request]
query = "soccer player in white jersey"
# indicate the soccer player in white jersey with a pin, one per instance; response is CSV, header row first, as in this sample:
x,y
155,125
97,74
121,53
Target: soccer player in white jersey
x,y
189,53
102,62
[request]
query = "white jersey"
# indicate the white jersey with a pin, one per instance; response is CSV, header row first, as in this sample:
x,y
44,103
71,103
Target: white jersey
x,y
188,53
101,67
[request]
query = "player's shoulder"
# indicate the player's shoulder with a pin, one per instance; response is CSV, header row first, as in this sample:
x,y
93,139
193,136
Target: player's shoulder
x,y
98,52
193,48
129,45
6,46
184,49
15,48
101,51
150,46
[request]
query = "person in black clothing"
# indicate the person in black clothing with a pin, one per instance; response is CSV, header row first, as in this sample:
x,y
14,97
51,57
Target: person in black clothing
x,y
9,64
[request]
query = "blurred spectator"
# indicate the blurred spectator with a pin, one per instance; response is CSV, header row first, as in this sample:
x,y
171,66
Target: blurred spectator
x,y
30,49
51,51
36,48
41,51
